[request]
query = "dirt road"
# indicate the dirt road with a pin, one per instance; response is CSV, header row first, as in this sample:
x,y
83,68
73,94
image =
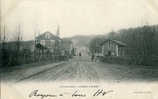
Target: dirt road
x,y
82,69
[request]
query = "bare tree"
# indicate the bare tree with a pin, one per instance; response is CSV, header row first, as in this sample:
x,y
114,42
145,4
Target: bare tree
x,y
4,50
18,39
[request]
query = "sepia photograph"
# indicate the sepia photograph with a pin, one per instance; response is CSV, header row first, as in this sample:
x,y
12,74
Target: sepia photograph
x,y
88,49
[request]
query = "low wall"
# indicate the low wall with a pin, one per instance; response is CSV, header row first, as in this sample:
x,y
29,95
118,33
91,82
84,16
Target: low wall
x,y
150,61
114,59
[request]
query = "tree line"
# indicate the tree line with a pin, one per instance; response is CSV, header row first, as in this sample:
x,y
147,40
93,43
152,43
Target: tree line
x,y
142,46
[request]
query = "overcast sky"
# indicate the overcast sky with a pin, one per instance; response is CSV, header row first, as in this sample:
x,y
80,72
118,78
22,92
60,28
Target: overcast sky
x,y
77,17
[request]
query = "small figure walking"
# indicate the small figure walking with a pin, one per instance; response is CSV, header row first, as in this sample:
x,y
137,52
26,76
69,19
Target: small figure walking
x,y
80,54
92,58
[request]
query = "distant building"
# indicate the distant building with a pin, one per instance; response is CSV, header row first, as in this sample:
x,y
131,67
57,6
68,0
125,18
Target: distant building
x,y
113,48
83,50
67,47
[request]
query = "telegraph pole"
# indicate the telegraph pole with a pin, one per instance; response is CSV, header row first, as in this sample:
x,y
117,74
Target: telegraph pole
x,y
58,31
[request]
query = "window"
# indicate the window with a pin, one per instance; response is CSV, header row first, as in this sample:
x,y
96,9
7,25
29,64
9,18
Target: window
x,y
47,36
42,42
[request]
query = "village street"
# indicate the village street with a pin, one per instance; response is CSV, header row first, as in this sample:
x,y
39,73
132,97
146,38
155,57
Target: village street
x,y
81,69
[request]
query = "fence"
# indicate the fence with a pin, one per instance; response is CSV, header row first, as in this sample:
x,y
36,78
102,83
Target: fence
x,y
11,57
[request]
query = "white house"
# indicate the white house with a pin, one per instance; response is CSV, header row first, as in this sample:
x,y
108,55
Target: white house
x,y
48,40
113,48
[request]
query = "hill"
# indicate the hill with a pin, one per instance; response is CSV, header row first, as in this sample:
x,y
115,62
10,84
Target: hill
x,y
82,40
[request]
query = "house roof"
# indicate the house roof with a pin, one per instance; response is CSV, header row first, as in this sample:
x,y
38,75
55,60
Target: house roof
x,y
120,43
47,36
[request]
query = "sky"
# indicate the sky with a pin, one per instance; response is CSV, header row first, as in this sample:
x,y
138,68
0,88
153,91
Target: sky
x,y
76,17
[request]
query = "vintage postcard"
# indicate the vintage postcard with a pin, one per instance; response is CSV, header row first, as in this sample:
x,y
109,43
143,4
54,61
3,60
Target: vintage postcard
x,y
79,49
